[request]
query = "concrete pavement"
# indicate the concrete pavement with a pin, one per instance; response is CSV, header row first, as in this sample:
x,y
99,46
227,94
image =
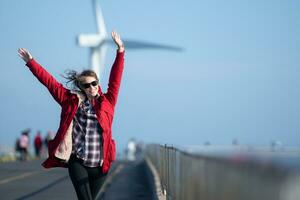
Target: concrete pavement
x,y
28,180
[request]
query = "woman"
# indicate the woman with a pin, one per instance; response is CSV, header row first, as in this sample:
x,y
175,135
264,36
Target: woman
x,y
83,142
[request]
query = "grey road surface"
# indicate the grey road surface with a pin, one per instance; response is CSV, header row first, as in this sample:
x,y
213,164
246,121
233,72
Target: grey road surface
x,y
28,180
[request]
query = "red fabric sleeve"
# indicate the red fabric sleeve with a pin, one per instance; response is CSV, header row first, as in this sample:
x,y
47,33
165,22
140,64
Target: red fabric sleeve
x,y
115,78
56,89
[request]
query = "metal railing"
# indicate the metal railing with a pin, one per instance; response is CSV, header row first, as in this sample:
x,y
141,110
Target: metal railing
x,y
186,176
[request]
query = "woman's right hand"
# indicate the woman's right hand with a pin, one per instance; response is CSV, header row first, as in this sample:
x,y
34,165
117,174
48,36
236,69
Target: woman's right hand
x,y
24,54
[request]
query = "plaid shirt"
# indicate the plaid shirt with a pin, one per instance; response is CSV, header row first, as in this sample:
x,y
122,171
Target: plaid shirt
x,y
87,135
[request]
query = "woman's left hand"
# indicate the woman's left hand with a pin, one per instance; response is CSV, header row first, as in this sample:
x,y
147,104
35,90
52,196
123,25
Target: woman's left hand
x,y
116,37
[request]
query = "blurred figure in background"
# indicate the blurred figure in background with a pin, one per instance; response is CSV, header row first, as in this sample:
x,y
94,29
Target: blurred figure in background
x,y
24,145
139,150
46,141
38,144
131,150
48,138
17,149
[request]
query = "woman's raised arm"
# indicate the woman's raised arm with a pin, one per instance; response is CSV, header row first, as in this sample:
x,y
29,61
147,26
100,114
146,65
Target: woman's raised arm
x,y
116,70
56,89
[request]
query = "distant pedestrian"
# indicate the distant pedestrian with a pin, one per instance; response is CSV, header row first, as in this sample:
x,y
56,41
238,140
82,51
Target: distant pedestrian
x,y
48,137
131,150
38,144
24,145
46,140
139,150
17,149
84,141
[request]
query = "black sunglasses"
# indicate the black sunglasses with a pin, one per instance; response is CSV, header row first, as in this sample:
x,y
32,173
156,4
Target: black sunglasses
x,y
87,85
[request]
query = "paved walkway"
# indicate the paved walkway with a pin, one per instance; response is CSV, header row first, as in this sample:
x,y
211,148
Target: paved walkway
x,y
29,181
131,183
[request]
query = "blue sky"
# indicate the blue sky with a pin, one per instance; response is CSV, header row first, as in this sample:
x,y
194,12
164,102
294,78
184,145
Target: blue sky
x,y
237,78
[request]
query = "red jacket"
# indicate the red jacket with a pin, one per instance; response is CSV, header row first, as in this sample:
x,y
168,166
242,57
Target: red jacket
x,y
68,100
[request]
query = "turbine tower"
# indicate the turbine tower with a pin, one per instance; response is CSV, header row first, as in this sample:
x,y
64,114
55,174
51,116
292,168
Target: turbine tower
x,y
97,43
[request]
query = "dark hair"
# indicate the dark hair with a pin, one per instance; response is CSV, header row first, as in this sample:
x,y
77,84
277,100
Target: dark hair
x,y
74,78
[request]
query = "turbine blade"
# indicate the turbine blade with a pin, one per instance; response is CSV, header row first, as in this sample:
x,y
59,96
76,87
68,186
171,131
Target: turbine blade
x,y
135,44
99,18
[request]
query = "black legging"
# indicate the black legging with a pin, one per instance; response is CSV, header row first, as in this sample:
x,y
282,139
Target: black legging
x,y
87,181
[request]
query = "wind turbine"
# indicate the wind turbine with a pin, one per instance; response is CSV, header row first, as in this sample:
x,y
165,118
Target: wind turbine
x,y
97,43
